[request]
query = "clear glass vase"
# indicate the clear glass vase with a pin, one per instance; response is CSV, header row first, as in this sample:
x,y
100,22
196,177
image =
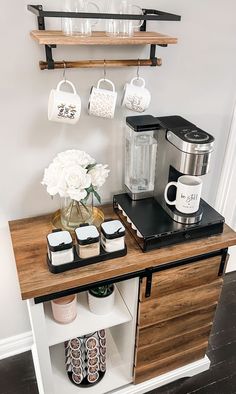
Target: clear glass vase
x,y
74,213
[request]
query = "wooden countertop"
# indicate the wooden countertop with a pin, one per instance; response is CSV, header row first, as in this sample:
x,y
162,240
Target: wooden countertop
x,y
29,244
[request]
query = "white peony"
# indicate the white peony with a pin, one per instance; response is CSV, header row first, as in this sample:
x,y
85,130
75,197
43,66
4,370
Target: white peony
x,y
54,180
74,157
77,180
74,174
98,174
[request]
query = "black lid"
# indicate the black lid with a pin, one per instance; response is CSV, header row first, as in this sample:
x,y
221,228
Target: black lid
x,y
60,242
112,229
143,123
87,234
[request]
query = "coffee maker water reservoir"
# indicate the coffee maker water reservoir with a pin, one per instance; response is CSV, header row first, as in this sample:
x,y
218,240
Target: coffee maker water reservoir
x,y
140,159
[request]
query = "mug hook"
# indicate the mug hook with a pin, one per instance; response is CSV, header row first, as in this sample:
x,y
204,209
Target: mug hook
x,y
104,70
138,68
64,70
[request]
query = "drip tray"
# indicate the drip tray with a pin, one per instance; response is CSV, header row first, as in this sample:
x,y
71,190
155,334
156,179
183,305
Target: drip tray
x,y
153,228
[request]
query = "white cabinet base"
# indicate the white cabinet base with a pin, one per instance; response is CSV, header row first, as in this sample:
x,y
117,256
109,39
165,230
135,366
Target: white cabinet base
x,y
48,348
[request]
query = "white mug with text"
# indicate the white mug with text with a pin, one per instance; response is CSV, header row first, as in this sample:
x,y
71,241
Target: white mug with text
x,y
188,194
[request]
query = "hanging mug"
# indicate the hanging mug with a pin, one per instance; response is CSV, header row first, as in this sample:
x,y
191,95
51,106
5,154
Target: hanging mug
x,y
102,102
64,107
136,97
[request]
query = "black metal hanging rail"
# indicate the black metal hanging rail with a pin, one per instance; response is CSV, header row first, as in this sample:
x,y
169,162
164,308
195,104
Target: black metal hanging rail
x,y
148,14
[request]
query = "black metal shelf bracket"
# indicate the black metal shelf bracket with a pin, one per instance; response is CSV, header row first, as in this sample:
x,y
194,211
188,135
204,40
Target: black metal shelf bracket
x,y
148,14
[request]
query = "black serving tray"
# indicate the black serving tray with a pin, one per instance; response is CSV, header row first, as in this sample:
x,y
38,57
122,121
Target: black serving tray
x,y
78,262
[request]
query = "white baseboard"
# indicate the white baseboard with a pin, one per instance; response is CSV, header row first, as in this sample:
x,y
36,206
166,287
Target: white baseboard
x,y
183,372
16,345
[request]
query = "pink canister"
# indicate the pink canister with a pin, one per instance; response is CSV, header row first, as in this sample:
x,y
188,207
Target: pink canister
x,y
64,309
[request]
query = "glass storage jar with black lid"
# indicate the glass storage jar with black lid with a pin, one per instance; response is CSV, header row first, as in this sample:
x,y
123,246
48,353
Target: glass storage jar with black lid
x,y
60,247
88,241
112,236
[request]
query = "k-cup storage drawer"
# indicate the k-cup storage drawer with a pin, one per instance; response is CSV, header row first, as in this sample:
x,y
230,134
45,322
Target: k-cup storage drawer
x,y
163,308
183,277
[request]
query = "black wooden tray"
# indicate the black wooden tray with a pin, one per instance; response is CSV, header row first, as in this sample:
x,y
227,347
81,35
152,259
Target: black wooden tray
x,y
78,262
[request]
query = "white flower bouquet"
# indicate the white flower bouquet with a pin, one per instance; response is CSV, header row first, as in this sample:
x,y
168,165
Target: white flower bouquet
x,y
75,176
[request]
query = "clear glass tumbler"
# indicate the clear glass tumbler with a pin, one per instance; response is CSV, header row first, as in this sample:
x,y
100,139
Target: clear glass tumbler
x,y
127,27
79,26
112,25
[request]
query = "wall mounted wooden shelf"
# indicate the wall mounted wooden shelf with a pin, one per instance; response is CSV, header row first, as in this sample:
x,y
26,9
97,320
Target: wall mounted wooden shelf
x,y
53,38
56,37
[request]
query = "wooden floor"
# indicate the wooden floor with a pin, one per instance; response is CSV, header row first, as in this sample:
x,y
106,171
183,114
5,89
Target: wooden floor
x,y
17,373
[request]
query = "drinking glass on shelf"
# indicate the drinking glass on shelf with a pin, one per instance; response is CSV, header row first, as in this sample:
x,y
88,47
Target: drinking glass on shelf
x,y
113,25
127,27
79,26
122,27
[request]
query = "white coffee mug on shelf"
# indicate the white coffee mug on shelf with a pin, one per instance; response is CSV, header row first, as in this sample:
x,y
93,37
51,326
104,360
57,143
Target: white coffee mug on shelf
x,y
136,97
188,194
64,107
102,102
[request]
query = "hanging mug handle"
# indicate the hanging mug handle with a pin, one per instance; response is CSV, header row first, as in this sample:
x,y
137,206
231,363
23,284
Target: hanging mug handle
x,y
69,83
108,81
141,21
97,9
166,191
138,79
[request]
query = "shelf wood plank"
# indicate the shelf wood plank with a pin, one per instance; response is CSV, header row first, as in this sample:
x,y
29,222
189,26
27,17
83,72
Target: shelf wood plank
x,y
29,244
56,37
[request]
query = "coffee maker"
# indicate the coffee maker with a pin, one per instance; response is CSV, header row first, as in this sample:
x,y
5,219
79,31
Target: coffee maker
x,y
182,149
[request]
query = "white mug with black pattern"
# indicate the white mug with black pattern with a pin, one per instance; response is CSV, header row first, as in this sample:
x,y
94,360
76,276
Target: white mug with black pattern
x,y
102,102
136,97
64,107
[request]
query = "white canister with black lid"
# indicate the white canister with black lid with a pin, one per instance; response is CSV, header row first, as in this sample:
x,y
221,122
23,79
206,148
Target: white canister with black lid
x,y
88,241
112,236
60,247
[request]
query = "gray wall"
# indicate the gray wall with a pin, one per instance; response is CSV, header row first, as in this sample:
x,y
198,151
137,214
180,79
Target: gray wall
x,y
197,81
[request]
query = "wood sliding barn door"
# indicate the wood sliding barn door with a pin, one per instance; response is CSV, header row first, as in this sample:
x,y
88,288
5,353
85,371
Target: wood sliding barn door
x,y
174,323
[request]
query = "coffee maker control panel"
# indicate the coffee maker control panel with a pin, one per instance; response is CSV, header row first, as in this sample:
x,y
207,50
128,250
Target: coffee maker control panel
x,y
191,141
186,136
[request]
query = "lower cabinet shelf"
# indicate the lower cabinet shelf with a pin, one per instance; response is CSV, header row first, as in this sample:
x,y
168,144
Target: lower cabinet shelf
x,y
117,374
